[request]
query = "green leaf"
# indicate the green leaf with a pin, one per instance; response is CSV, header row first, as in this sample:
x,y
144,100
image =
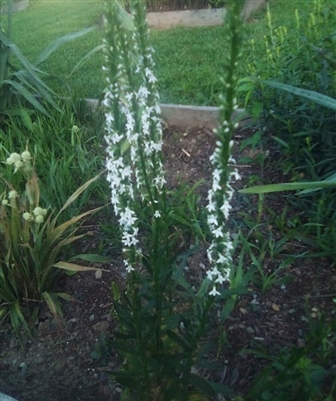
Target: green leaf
x,y
17,318
76,268
66,297
80,190
289,186
178,340
53,304
91,257
123,16
315,97
87,57
204,288
203,385
61,41
28,96
280,141
332,179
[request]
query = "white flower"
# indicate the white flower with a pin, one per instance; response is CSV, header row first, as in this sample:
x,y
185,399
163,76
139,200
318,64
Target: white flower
x,y
235,175
225,209
211,207
27,216
212,220
14,157
157,214
218,232
26,156
221,279
214,291
128,218
18,164
130,239
129,267
12,194
4,202
222,260
39,219
38,211
150,76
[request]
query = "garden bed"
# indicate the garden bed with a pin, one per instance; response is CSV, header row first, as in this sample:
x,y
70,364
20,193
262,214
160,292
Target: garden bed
x,y
56,363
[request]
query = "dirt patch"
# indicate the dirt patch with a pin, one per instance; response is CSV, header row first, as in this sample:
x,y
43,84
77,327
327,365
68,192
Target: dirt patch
x,y
57,364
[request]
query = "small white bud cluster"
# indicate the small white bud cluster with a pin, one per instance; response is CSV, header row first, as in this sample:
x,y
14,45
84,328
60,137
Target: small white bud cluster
x,y
10,200
19,161
37,215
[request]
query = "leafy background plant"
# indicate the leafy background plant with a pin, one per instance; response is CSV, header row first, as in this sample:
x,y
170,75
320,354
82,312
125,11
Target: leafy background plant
x,y
32,241
301,126
67,150
22,80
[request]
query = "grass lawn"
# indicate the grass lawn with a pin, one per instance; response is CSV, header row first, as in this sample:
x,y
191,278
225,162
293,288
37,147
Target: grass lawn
x,y
189,61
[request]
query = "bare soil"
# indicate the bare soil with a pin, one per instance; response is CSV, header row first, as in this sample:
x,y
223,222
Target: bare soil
x,y
56,363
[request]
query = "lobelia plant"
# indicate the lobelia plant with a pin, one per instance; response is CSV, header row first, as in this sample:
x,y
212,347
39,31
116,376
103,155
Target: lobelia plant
x,y
31,245
161,317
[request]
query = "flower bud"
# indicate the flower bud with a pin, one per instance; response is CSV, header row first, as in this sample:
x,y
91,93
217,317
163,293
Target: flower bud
x,y
75,129
18,164
39,219
4,202
12,194
27,216
14,157
26,156
38,211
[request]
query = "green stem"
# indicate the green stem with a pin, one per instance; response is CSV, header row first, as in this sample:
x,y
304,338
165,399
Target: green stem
x,y
136,304
193,347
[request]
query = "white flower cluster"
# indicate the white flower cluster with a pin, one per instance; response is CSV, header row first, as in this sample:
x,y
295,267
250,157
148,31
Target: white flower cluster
x,y
37,215
133,133
19,161
12,195
219,198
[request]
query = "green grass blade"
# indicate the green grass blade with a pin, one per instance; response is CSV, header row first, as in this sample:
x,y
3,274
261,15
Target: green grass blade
x,y
17,318
289,186
61,41
86,58
40,87
75,267
81,189
53,305
27,95
315,97
18,54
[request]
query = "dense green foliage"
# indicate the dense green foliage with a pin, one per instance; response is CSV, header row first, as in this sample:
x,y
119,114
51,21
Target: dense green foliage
x,y
301,126
189,61
288,50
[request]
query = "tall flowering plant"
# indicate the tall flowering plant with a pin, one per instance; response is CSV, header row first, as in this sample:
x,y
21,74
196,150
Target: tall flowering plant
x,y
161,317
133,126
224,172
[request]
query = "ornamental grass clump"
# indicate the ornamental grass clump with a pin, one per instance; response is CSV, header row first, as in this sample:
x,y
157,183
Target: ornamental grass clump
x,y
161,317
31,246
